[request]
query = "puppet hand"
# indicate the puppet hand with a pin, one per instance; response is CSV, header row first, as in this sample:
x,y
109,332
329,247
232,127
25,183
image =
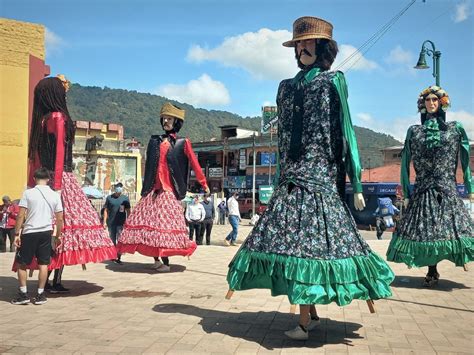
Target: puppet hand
x,y
471,197
359,202
405,202
207,190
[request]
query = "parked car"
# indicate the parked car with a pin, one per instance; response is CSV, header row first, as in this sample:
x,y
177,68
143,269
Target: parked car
x,y
245,205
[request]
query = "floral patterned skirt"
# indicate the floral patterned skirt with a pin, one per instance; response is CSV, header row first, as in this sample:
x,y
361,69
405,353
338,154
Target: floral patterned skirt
x,y
156,227
84,239
307,246
436,226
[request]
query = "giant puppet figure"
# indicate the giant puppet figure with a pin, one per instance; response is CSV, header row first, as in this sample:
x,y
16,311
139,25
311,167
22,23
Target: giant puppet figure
x,y
306,245
83,239
156,227
435,226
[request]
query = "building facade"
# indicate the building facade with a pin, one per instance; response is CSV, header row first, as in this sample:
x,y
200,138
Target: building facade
x,y
22,66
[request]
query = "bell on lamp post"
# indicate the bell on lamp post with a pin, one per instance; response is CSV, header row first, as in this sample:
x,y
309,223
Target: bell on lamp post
x,y
422,62
436,59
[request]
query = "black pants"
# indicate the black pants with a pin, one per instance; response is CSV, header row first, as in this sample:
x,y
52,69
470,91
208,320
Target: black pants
x,y
4,232
206,226
380,227
195,226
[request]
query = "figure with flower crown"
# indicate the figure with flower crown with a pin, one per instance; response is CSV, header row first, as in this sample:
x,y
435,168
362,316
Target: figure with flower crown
x,y
435,226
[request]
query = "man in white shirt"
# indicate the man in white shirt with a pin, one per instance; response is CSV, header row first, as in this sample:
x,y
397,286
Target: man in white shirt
x,y
39,207
195,214
234,218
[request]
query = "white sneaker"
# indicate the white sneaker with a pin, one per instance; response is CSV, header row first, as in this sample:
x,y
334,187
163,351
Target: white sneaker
x,y
313,323
157,264
163,268
297,333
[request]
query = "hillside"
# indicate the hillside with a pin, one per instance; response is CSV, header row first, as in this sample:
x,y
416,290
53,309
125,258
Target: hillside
x,y
139,114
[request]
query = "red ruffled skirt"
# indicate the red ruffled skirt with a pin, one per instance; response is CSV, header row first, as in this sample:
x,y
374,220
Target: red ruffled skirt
x,y
84,239
156,228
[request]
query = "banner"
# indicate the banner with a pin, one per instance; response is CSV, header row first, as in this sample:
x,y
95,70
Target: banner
x,y
269,118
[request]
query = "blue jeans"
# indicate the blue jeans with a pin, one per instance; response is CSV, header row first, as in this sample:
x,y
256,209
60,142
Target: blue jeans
x,y
234,222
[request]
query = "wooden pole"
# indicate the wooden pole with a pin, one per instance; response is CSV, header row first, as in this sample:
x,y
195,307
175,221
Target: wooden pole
x,y
371,306
229,294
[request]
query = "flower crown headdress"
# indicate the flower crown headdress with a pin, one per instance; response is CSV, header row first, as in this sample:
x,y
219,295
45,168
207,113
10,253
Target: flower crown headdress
x,y
442,96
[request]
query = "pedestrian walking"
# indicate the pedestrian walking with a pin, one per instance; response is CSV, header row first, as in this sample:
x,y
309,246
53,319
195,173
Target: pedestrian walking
x,y
39,207
116,210
234,219
9,211
156,227
222,212
306,245
208,221
435,225
195,214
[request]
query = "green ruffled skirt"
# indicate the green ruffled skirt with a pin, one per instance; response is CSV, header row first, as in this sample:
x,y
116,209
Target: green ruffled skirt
x,y
413,253
312,281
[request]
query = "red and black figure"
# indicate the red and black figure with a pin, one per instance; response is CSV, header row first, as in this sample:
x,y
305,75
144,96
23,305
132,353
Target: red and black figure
x,y
156,227
83,239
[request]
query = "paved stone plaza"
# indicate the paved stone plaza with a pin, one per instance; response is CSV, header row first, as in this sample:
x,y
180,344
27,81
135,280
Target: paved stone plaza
x,y
131,309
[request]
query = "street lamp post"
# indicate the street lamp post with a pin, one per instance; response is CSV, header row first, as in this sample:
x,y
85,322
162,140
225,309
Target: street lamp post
x,y
436,59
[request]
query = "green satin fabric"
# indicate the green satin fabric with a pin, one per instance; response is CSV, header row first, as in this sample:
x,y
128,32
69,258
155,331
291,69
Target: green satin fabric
x,y
405,166
310,281
433,135
352,159
305,77
459,251
465,158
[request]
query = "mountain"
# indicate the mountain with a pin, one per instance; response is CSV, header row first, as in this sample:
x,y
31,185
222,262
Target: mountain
x,y
139,114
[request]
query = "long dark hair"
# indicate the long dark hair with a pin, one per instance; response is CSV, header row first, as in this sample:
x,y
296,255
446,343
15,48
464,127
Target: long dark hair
x,y
326,52
49,96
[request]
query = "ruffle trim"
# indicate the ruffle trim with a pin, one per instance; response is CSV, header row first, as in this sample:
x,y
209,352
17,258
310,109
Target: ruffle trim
x,y
75,257
156,238
312,281
84,240
148,250
459,251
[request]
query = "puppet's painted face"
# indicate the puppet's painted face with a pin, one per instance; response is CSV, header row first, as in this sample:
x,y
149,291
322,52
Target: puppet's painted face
x,y
168,122
306,51
432,103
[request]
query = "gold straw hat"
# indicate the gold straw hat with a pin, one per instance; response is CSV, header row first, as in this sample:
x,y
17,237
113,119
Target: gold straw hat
x,y
173,111
309,28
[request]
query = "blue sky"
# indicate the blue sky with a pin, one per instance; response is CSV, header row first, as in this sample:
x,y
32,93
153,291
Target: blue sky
x,y
227,55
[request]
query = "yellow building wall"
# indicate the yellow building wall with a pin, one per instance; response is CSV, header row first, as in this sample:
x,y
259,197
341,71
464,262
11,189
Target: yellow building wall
x,y
17,41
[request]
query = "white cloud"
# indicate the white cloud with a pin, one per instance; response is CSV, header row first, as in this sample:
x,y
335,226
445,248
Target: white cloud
x,y
462,12
358,62
467,120
262,55
53,42
203,91
365,117
400,56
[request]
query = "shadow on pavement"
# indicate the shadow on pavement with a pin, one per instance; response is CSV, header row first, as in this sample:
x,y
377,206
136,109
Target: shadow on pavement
x,y
9,288
265,328
417,282
140,268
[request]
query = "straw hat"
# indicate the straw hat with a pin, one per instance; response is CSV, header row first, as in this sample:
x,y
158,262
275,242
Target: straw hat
x,y
173,111
309,28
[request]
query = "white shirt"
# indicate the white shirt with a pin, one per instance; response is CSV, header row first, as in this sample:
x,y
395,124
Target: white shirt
x,y
40,210
233,206
195,212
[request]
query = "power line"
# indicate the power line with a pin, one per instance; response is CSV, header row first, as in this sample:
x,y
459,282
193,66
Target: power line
x,y
365,47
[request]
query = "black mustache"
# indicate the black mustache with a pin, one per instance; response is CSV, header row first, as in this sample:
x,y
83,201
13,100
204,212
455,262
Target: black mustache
x,y
305,51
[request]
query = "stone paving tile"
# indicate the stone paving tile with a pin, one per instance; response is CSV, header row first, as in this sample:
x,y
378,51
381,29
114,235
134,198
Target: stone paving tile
x,y
130,309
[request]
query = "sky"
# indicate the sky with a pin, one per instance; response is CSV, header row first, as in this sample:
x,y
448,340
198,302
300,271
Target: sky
x,y
227,54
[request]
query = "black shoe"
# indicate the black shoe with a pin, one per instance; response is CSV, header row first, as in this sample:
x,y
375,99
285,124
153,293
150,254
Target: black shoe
x,y
22,298
40,299
118,261
59,289
47,287
431,280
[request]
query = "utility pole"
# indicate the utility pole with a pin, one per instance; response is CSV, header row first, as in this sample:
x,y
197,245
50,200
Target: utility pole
x,y
253,180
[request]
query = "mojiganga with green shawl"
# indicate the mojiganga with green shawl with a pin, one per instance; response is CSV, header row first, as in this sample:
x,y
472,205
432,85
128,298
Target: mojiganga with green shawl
x,y
436,225
306,245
